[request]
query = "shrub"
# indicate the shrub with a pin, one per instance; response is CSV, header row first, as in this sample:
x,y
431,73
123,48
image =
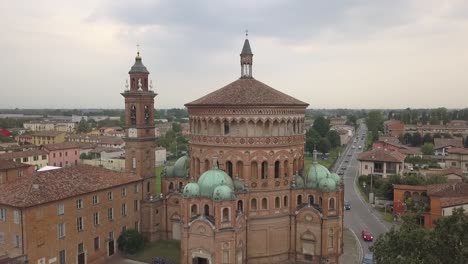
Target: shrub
x,y
130,241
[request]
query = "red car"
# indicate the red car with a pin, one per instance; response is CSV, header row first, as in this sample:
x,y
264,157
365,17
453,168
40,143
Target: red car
x,y
367,235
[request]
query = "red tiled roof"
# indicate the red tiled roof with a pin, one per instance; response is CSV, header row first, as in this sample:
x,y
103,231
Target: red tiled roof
x,y
455,150
22,154
410,187
446,142
452,201
444,172
382,155
247,92
53,185
448,189
8,165
61,146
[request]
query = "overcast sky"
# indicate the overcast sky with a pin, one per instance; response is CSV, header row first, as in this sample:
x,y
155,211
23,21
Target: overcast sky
x,y
331,54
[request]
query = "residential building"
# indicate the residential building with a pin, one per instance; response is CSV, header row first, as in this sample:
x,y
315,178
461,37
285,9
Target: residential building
x,y
393,128
454,127
346,133
48,137
337,121
441,199
24,139
457,158
69,215
10,171
115,164
393,144
441,145
107,153
112,131
100,141
14,147
453,175
46,125
381,162
35,157
63,154
162,128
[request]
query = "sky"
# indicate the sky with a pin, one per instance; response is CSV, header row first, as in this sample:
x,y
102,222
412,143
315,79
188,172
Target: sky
x,y
330,54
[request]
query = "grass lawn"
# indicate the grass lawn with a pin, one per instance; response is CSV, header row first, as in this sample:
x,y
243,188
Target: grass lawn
x,y
158,178
167,249
327,163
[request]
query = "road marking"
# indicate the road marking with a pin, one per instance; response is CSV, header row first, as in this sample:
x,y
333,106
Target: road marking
x,y
361,250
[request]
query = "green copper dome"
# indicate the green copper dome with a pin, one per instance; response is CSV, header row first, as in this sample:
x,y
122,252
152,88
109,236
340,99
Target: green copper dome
x,y
327,184
223,193
239,185
299,181
181,167
316,173
337,178
211,179
191,190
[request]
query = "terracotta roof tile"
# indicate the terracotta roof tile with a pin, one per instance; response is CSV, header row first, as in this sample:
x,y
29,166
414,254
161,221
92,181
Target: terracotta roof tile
x,y
60,146
22,154
247,92
447,142
53,185
448,189
8,165
382,155
455,150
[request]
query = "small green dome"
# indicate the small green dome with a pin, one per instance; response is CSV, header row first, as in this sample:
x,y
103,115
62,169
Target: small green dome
x,y
191,190
181,167
299,181
327,184
239,185
211,179
316,173
337,178
223,193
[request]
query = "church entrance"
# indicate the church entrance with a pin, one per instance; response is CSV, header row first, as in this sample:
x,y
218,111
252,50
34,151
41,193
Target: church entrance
x,y
199,261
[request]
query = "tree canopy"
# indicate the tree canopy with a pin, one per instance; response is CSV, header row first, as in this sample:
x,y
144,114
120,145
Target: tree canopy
x,y
321,125
130,241
411,243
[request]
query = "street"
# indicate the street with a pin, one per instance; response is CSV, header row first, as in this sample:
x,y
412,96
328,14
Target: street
x,y
361,215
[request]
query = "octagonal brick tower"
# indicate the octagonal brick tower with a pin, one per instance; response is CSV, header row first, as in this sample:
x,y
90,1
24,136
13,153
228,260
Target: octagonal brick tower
x,y
255,132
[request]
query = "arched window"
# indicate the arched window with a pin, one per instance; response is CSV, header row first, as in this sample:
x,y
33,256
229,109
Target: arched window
x,y
299,199
207,165
277,169
264,203
311,199
253,204
171,186
320,201
194,210
147,187
294,165
206,210
331,204
277,202
229,168
226,128
225,214
133,115
240,169
253,170
264,170
147,115
240,206
285,201
181,185
286,168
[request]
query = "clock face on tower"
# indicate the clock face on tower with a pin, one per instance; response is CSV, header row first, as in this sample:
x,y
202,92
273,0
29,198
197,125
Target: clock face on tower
x,y
132,132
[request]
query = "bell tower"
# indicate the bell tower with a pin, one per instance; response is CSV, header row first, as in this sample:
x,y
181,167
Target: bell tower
x,y
246,59
139,138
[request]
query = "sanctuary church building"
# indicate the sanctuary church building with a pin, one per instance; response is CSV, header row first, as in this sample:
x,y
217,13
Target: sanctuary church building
x,y
241,195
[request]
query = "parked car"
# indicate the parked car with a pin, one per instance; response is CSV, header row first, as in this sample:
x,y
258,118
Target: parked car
x,y
368,259
341,173
347,205
367,235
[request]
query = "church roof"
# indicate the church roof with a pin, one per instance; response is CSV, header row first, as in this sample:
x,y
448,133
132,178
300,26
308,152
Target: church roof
x,y
247,92
246,48
138,67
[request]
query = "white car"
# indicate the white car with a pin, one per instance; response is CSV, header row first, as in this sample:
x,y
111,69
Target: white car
x,y
353,147
360,147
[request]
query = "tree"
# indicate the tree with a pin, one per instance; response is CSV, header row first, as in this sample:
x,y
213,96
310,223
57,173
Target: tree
x,y
334,138
374,122
427,149
446,243
176,127
416,140
321,125
427,139
130,241
324,145
312,139
83,126
407,139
